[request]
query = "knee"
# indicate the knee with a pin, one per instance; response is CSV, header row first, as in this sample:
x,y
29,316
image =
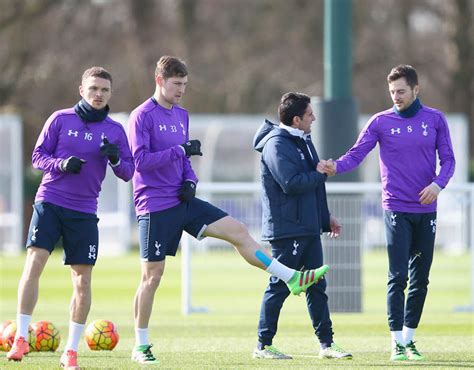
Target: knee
x,y
398,278
239,232
419,284
82,284
36,260
151,280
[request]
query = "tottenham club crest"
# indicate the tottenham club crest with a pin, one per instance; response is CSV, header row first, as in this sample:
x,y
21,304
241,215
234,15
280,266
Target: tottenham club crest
x,y
393,222
33,235
182,128
295,247
157,246
301,153
424,126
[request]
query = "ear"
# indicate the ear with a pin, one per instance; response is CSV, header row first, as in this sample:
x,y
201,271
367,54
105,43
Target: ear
x,y
416,90
159,80
81,90
296,122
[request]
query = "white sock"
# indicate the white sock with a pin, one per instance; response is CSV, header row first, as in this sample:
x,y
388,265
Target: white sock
x,y
75,332
280,270
397,336
141,336
22,324
408,334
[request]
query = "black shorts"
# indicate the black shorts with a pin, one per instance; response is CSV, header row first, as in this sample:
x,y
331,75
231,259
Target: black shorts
x,y
78,229
160,232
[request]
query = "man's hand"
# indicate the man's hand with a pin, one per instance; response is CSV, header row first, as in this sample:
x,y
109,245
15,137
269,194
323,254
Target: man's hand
x,y
328,167
192,147
71,165
336,227
187,191
429,194
111,151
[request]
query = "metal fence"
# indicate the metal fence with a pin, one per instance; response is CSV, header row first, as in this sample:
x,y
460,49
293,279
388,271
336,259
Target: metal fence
x,y
358,208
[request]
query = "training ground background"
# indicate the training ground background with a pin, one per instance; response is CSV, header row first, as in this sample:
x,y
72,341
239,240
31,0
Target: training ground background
x,y
224,337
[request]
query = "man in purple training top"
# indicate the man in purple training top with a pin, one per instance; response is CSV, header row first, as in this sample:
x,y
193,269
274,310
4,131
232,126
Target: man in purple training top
x,y
73,151
164,193
409,135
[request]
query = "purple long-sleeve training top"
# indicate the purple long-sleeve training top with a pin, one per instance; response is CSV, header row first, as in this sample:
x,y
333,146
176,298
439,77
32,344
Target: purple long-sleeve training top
x,y
161,166
65,134
407,159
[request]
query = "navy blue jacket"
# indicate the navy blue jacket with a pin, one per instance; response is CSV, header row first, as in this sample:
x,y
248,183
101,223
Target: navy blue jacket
x,y
294,194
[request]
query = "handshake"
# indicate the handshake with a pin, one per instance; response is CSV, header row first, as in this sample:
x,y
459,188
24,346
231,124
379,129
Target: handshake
x,y
329,167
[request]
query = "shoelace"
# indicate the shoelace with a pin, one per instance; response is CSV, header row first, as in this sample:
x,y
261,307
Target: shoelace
x,y
336,348
273,350
399,349
412,348
147,353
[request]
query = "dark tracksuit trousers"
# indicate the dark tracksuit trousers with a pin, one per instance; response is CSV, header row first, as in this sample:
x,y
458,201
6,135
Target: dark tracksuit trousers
x,y
297,253
410,245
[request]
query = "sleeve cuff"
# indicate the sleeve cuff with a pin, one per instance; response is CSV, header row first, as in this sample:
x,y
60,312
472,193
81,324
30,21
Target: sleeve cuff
x,y
437,186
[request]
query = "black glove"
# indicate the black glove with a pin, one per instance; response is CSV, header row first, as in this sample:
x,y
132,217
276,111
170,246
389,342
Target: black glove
x,y
192,147
71,165
187,191
110,150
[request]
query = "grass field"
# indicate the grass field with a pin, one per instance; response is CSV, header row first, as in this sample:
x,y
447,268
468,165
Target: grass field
x,y
225,337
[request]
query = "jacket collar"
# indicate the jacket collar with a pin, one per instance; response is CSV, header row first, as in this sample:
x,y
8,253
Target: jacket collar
x,y
294,131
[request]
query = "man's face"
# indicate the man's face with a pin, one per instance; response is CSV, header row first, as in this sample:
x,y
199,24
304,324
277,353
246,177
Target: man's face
x,y
402,94
304,123
172,89
96,91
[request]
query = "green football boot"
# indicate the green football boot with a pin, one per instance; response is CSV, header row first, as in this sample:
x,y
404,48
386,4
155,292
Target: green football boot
x,y
412,353
398,353
302,280
335,352
143,355
270,352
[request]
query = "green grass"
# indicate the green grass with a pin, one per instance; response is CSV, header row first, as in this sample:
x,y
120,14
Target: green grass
x,y
226,336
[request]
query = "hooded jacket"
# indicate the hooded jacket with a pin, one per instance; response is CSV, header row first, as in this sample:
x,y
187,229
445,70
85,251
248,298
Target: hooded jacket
x,y
294,198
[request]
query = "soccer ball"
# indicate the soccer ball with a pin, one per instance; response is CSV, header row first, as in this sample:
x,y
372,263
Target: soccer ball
x,y
101,335
47,336
8,336
2,328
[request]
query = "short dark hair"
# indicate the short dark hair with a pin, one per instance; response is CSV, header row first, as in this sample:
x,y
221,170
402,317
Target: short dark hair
x,y
292,104
97,72
169,66
404,70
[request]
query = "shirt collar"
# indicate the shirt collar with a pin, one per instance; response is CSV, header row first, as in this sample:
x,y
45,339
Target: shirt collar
x,y
410,111
294,131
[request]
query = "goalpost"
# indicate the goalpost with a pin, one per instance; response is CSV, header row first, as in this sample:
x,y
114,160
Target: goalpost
x,y
11,184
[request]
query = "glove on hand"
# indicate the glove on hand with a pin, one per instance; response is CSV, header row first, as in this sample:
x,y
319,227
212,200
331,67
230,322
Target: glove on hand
x,y
192,147
110,150
71,165
187,191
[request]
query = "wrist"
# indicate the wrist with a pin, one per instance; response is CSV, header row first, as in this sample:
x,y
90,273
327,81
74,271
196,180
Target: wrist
x,y
439,188
62,165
